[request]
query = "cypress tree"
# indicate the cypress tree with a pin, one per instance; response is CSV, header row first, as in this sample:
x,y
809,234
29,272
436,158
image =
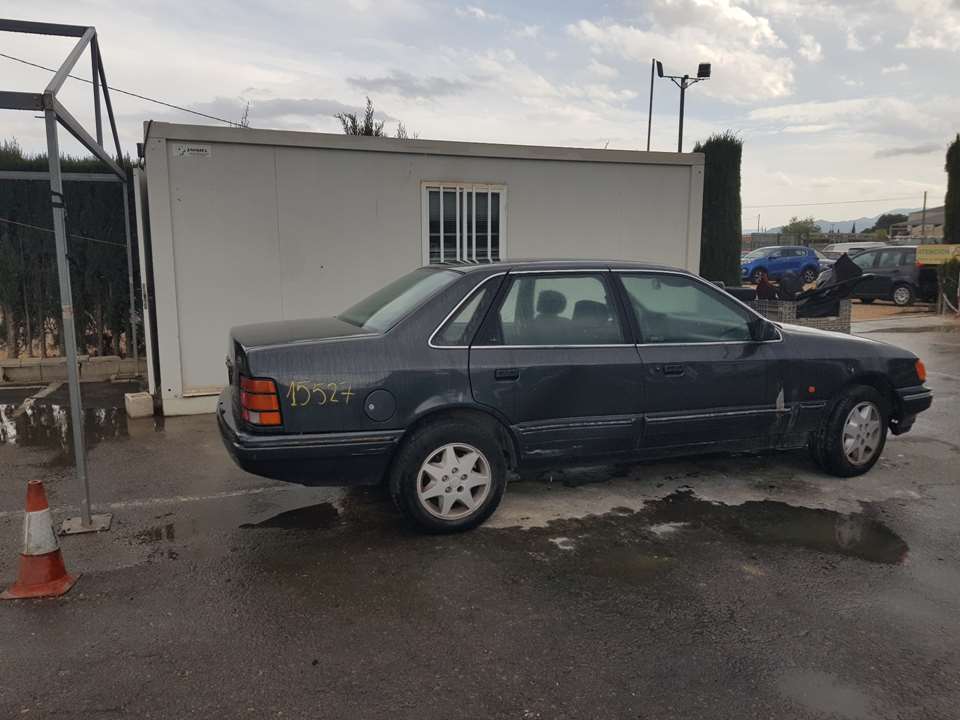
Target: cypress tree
x,y
951,220
720,236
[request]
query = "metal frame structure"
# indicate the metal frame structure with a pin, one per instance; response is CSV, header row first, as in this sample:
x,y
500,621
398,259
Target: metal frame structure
x,y
56,114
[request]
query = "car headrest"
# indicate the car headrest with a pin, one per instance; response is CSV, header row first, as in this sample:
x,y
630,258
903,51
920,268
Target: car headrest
x,y
590,310
551,302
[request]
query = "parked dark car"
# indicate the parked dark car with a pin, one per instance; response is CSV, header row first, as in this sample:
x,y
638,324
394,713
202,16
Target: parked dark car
x,y
777,260
894,275
443,381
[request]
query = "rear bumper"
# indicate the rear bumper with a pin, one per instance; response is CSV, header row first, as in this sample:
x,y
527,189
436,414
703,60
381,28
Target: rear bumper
x,y
359,458
910,402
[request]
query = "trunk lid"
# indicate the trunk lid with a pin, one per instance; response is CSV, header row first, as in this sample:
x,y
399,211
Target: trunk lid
x,y
284,332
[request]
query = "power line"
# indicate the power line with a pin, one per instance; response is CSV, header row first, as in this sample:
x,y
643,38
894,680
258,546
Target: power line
x,y
124,92
836,202
50,230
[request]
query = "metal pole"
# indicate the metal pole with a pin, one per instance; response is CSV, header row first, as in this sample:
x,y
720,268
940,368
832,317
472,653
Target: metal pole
x,y
923,218
133,306
683,92
653,64
66,310
94,60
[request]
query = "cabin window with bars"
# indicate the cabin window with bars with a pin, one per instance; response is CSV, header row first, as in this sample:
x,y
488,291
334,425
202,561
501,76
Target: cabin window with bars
x,y
464,222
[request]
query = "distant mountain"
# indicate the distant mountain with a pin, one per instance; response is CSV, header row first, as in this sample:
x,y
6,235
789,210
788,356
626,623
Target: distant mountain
x,y
845,226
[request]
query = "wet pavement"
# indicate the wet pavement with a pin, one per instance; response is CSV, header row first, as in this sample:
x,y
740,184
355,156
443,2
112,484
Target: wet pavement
x,y
722,587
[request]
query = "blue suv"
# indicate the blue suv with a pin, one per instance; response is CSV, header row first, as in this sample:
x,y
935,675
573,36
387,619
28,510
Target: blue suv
x,y
779,259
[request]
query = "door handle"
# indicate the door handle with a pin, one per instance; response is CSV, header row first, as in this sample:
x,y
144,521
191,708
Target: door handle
x,y
506,373
673,369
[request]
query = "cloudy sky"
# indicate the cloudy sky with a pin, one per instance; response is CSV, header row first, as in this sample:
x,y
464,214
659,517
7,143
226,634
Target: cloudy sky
x,y
835,101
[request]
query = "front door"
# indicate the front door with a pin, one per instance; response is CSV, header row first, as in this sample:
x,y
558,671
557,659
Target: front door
x,y
553,358
705,380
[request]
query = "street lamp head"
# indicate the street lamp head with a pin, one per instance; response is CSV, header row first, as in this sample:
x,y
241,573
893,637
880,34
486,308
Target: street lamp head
x,y
703,71
659,69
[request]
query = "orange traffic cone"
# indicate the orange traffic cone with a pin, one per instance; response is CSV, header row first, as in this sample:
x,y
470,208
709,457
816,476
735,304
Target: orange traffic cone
x,y
42,573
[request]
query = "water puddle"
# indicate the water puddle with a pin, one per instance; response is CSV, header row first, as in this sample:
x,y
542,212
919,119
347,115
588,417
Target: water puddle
x,y
321,516
42,424
776,523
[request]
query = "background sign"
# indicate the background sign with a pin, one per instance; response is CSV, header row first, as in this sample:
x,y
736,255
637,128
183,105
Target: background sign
x,y
936,254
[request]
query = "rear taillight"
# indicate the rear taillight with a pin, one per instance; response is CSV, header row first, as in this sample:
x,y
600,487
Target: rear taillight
x,y
258,401
921,371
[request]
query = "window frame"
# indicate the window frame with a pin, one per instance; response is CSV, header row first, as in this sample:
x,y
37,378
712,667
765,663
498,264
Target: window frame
x,y
724,296
474,187
605,276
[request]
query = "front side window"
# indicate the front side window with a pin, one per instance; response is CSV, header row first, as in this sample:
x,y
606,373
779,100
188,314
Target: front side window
x,y
558,309
679,309
865,259
463,222
388,305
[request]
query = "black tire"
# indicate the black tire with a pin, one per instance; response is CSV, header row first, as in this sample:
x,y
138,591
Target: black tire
x,y
867,301
809,276
423,444
826,443
903,295
756,275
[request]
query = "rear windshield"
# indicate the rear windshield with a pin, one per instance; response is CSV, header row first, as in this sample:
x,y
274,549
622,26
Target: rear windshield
x,y
388,305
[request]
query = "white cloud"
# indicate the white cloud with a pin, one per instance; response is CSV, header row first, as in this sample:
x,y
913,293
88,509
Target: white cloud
x,y
853,42
810,49
602,71
902,67
478,13
737,45
530,32
934,24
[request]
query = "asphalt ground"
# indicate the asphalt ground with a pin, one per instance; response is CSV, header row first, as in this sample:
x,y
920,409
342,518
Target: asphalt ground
x,y
722,587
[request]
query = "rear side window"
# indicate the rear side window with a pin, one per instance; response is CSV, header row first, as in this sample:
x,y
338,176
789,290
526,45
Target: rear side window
x,y
679,309
460,328
558,309
890,258
909,257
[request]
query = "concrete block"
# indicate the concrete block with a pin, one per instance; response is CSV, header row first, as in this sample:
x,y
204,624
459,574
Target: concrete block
x,y
138,405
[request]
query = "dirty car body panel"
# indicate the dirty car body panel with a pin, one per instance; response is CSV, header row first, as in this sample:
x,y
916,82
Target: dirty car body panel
x,y
573,362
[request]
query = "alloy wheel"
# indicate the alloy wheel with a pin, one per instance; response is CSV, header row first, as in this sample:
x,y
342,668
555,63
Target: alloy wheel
x,y
862,433
901,296
453,481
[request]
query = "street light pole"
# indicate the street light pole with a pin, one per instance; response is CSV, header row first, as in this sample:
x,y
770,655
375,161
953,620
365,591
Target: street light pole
x,y
653,64
683,94
682,82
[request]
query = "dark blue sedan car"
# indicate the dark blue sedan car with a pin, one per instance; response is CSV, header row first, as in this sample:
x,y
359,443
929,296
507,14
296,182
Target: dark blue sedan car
x,y
776,260
447,379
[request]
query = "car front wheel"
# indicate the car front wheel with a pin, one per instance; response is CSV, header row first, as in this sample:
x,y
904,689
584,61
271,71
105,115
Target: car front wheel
x,y
903,295
851,438
809,275
449,476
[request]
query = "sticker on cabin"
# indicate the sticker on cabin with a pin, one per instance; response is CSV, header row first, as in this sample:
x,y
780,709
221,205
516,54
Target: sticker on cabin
x,y
184,150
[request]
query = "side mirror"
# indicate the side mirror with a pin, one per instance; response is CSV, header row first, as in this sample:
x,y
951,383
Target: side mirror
x,y
761,330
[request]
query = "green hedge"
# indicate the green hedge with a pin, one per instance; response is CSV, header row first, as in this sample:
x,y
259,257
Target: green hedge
x,y
721,232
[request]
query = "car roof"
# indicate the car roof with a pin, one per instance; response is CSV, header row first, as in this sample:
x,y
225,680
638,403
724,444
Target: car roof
x,y
554,264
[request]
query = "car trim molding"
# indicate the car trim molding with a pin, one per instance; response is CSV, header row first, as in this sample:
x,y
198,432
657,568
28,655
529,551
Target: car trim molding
x,y
684,417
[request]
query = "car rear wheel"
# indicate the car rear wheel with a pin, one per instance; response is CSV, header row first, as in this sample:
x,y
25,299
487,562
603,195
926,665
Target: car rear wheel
x,y
903,295
449,476
851,438
809,275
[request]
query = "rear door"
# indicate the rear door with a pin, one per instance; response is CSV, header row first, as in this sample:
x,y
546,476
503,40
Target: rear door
x,y
554,358
705,380
890,271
